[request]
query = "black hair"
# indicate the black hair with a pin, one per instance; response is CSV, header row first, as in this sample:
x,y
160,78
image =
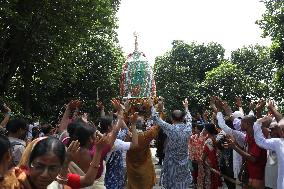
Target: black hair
x,y
104,123
72,127
82,133
15,125
46,130
35,132
229,122
178,115
5,146
200,126
210,128
47,145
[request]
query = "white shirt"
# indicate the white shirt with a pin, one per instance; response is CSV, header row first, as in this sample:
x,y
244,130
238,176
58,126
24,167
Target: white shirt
x,y
119,145
31,126
275,144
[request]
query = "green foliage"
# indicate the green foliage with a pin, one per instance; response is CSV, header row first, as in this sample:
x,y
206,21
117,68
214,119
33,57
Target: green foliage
x,y
229,82
256,62
272,25
179,72
200,71
54,51
273,19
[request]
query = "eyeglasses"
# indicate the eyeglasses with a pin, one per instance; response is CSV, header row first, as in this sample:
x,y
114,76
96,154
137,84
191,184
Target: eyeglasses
x,y
52,170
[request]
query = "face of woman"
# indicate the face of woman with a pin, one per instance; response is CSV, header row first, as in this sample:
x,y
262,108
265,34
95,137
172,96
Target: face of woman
x,y
44,170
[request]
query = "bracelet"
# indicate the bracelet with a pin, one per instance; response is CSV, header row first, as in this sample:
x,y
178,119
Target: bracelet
x,y
61,179
94,166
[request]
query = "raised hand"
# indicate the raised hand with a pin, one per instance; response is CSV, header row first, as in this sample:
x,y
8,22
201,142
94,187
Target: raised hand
x,y
225,105
85,117
270,104
73,104
73,148
117,106
100,105
205,114
133,118
6,108
219,103
252,105
260,105
238,102
127,105
101,142
213,105
185,103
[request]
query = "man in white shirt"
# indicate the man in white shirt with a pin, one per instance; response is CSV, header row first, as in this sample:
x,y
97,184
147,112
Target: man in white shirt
x,y
275,144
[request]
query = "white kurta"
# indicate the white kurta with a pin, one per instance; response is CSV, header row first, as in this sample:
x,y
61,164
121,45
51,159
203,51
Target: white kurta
x,y
275,144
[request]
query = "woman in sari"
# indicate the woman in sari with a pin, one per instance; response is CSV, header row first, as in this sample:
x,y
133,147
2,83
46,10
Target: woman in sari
x,y
44,162
86,135
209,158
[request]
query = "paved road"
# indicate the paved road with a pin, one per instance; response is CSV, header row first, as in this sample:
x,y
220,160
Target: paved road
x,y
157,168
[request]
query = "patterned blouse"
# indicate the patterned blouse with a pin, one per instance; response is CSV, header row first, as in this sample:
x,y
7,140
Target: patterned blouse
x,y
196,143
114,177
176,173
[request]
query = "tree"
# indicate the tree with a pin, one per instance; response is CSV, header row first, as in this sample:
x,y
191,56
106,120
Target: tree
x,y
179,71
50,49
272,25
230,81
256,62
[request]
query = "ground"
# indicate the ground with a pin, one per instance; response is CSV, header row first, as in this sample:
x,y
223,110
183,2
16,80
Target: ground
x,y
158,170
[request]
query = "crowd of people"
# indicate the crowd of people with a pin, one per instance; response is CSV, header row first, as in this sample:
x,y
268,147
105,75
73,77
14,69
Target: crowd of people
x,y
207,150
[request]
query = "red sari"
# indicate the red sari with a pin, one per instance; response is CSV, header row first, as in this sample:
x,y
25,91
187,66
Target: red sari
x,y
211,180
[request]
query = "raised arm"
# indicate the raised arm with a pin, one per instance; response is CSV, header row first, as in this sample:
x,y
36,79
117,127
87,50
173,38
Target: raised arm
x,y
89,178
120,123
231,143
7,116
133,121
158,120
239,104
259,107
65,119
188,117
239,136
91,174
260,140
278,116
